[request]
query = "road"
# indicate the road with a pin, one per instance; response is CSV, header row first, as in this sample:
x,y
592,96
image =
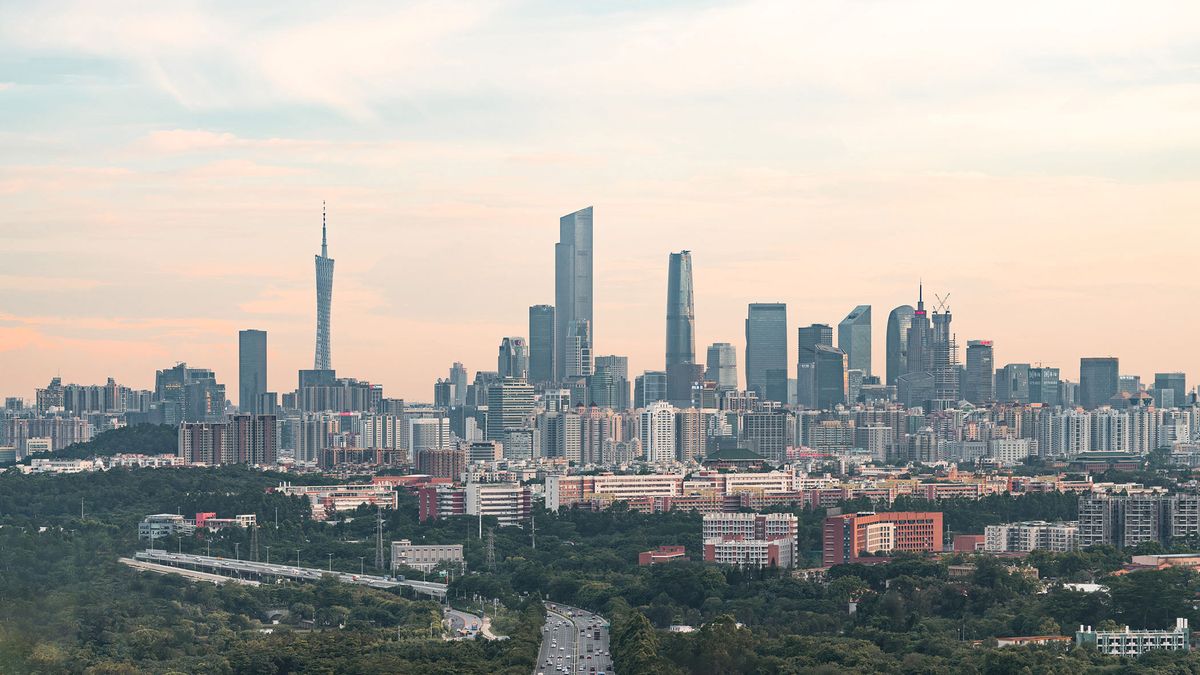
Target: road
x,y
186,573
574,642
462,621
257,569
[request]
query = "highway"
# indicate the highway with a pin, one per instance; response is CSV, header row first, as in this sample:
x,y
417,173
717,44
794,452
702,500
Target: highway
x,y
246,568
186,573
574,642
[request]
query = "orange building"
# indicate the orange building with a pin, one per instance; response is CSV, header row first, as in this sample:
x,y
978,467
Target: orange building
x,y
849,537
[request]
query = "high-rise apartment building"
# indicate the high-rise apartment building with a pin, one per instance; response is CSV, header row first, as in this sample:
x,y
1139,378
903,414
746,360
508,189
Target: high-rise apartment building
x,y
766,351
854,338
1099,381
322,360
252,369
658,432
573,297
722,366
541,344
979,387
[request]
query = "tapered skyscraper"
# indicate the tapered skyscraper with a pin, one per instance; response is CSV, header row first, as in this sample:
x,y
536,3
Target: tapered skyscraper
x,y
572,285
322,360
681,315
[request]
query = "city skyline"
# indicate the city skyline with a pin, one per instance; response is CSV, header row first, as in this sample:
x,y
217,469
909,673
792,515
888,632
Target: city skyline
x,y
1035,177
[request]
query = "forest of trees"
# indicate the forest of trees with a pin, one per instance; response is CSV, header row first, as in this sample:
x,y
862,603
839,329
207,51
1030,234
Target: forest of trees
x,y
143,439
66,605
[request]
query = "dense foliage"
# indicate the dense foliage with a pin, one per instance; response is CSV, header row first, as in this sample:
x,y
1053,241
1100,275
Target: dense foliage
x,y
143,439
66,605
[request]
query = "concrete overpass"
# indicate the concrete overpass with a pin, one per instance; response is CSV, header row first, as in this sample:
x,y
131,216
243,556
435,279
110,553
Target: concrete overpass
x,y
246,569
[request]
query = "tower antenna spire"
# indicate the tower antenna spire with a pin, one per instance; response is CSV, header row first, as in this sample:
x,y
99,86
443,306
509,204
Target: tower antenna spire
x,y
324,246
920,294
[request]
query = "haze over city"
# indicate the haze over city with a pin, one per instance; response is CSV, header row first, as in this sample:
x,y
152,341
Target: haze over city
x,y
1036,173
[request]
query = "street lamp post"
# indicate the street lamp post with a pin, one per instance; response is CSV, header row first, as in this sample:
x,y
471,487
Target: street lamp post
x,y
297,558
236,555
361,565
268,555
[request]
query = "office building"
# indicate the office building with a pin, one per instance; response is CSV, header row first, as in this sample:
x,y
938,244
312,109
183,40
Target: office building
x,y
1099,381
681,313
829,376
425,557
979,387
510,406
252,370
324,264
766,351
1176,383
1044,386
899,321
541,344
849,537
854,338
1012,383
649,387
722,366
513,359
573,297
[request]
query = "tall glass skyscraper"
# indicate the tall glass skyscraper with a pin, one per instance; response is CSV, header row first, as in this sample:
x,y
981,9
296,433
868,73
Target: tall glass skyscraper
x,y
766,351
1099,381
541,344
572,285
980,385
898,324
252,369
513,358
322,361
722,365
681,314
854,338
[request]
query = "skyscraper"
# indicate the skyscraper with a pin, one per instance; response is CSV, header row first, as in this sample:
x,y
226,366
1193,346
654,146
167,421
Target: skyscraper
x,y
1044,386
681,315
252,369
513,359
541,344
809,337
510,403
945,358
572,283
1012,383
722,365
979,387
899,322
854,338
1176,383
766,351
829,376
577,352
458,383
322,361
1099,381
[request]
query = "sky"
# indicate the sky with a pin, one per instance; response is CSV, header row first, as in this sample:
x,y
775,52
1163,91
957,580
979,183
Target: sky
x,y
163,166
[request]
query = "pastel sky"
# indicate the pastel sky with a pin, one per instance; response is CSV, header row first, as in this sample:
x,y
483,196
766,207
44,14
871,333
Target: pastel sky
x,y
162,167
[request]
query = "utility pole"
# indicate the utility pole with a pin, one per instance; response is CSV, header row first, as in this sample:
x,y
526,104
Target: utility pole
x,y
268,555
254,542
331,563
237,555
533,534
276,517
81,508
379,560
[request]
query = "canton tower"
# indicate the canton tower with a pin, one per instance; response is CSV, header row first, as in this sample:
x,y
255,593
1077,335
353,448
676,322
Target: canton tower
x,y
324,297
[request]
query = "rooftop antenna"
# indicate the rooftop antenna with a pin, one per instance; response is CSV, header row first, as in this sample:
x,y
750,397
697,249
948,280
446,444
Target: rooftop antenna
x,y
920,295
324,246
